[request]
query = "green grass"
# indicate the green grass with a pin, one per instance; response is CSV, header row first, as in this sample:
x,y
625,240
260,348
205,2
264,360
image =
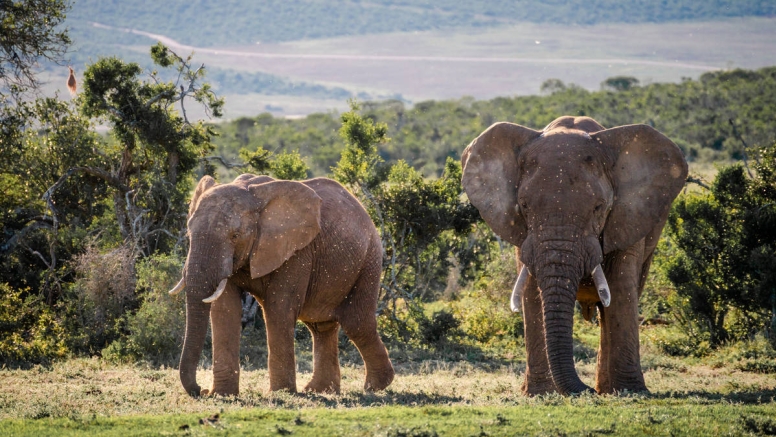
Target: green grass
x,y
587,415
714,395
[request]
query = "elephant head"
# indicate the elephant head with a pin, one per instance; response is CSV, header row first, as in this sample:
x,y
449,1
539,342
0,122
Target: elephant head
x,y
254,223
567,196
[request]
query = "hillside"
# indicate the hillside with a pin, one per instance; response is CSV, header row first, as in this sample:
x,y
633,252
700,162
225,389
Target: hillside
x,y
211,23
302,56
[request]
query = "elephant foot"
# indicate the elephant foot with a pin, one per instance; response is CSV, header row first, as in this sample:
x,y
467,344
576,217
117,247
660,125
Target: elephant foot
x,y
218,392
289,387
376,381
536,388
330,387
633,383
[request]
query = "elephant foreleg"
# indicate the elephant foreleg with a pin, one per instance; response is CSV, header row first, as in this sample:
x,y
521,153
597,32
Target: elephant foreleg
x,y
225,316
619,361
538,379
326,369
282,305
280,345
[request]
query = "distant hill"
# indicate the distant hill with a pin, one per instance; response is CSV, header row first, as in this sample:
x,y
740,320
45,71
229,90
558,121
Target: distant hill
x,y
549,31
226,22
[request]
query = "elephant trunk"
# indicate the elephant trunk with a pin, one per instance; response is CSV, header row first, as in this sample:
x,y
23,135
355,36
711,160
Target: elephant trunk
x,y
199,284
197,316
558,277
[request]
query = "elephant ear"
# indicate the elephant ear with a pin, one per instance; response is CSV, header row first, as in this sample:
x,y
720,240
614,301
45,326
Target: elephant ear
x,y
490,177
204,184
649,172
289,219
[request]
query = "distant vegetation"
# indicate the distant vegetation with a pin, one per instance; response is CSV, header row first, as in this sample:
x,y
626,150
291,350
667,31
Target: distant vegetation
x,y
208,23
711,119
232,81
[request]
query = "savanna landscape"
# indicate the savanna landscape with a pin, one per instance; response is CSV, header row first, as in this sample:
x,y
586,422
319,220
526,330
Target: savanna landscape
x,y
168,100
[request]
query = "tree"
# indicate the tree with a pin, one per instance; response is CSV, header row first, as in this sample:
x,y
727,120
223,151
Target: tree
x,y
620,83
63,185
285,165
725,265
421,222
36,234
157,146
29,31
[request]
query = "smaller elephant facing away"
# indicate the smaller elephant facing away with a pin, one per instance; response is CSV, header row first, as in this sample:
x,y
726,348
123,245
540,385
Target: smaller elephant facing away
x,y
306,251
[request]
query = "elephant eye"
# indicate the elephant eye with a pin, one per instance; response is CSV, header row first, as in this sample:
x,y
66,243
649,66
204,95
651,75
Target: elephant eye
x,y
598,207
235,236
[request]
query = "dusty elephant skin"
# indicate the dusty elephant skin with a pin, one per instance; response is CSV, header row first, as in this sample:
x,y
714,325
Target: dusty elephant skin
x,y
306,251
584,207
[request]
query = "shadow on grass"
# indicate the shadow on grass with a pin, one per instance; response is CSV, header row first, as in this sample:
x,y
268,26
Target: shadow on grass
x,y
759,396
446,355
386,397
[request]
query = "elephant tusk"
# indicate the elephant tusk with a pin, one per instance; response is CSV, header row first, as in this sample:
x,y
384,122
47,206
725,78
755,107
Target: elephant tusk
x,y
601,285
516,303
178,287
218,293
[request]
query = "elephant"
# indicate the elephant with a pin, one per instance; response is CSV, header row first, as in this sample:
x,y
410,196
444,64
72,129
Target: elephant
x,y
306,250
584,207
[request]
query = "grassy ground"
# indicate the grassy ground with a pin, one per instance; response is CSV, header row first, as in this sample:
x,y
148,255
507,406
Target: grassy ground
x,y
689,396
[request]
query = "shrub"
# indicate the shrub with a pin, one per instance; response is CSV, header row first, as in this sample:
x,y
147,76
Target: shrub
x,y
103,292
155,331
676,342
29,330
483,307
755,355
725,260
439,327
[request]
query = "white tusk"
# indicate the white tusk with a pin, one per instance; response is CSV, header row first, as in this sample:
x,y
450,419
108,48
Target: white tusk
x,y
516,303
178,287
219,291
601,285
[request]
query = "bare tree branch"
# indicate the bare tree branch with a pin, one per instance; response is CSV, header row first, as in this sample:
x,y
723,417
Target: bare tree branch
x,y
18,236
699,181
744,149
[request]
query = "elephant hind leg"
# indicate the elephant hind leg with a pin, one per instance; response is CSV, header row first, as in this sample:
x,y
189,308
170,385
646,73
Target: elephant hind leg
x,y
326,369
358,319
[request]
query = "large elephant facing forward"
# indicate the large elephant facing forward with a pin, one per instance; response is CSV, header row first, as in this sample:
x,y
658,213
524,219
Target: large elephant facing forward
x,y
306,251
584,207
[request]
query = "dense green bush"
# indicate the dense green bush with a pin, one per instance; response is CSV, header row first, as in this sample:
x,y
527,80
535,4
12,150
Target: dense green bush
x,y
441,326
29,330
724,260
154,333
483,307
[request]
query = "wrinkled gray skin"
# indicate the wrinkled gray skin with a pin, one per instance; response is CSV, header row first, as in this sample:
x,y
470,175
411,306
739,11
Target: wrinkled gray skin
x,y
571,197
306,251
